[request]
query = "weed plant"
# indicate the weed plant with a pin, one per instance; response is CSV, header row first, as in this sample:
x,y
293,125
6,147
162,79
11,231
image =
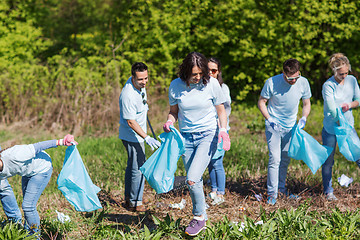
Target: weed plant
x,y
105,159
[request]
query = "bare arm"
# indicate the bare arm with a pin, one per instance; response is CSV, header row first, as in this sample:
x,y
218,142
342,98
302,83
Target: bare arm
x,y
306,107
173,114
262,107
136,127
354,104
220,109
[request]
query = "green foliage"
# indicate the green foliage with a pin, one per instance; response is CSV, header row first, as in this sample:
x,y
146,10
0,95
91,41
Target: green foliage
x,y
14,231
82,50
54,229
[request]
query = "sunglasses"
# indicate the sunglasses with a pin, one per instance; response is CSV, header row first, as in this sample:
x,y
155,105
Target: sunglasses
x,y
293,78
213,71
143,97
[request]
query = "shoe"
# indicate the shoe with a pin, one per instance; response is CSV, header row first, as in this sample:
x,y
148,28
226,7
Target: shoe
x,y
139,208
271,201
218,200
331,197
195,227
294,196
212,195
289,195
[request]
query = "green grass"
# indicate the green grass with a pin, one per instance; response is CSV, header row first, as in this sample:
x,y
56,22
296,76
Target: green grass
x,y
105,159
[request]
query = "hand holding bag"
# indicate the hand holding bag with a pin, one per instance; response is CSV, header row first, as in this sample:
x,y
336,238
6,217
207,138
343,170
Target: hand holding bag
x,y
159,169
347,138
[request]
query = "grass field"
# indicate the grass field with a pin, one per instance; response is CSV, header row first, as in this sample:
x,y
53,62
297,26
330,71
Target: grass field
x,y
246,168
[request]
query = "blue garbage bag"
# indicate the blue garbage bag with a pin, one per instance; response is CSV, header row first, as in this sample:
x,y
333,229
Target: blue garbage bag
x,y
75,183
219,151
304,147
347,138
159,169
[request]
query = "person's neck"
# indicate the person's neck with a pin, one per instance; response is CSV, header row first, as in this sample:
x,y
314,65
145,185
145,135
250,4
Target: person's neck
x,y
339,80
132,81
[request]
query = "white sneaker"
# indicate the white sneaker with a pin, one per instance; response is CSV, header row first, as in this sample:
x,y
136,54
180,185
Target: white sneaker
x,y
218,200
212,195
331,197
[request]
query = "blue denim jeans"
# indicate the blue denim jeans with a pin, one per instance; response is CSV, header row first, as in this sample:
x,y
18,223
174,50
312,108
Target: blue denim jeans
x,y
200,147
8,202
217,175
134,180
32,188
330,141
278,144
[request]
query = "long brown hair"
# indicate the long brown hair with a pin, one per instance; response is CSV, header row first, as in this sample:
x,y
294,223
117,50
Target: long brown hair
x,y
194,59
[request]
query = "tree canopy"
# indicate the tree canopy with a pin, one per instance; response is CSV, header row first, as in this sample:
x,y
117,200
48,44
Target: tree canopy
x,y
70,48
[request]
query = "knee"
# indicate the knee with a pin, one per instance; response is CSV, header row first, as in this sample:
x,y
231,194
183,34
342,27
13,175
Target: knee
x,y
28,208
190,183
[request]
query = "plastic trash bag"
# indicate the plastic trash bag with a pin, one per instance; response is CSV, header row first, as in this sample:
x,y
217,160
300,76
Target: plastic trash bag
x,y
305,147
61,217
347,138
219,151
75,184
159,169
344,180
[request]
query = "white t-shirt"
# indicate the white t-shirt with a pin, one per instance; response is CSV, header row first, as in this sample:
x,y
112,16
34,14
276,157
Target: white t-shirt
x,y
22,160
283,98
133,106
196,104
334,94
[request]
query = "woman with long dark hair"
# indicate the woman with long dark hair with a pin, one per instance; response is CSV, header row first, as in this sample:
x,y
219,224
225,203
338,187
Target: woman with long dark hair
x,y
195,101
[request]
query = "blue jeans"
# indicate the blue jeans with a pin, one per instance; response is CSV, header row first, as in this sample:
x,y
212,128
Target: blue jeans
x,y
8,202
134,180
32,188
217,175
200,147
330,141
278,144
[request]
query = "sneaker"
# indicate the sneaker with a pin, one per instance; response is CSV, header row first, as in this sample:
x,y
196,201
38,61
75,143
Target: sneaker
x,y
271,201
331,197
130,207
219,199
294,196
289,195
212,195
195,227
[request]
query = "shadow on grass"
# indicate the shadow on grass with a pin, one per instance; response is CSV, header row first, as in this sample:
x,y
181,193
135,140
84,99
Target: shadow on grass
x,y
250,186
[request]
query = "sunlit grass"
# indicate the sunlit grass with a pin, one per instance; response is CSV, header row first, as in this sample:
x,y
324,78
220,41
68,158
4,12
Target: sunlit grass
x,y
105,159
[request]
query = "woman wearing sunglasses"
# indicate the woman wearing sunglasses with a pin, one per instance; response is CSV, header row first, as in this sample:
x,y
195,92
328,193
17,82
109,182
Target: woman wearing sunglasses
x,y
216,167
340,90
195,100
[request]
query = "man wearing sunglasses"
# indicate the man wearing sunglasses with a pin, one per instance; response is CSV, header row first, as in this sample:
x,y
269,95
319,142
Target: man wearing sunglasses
x,y
282,93
132,132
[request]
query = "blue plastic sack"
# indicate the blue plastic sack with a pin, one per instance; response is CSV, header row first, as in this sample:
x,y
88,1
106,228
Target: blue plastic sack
x,y
159,169
219,151
75,184
305,147
347,138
